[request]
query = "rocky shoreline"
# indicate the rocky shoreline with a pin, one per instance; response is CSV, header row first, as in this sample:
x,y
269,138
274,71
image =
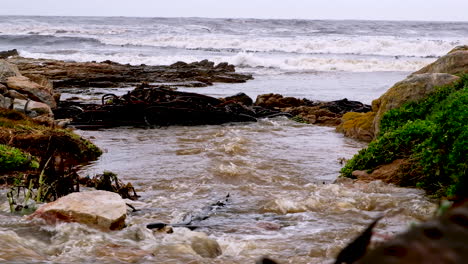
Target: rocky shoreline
x,y
30,100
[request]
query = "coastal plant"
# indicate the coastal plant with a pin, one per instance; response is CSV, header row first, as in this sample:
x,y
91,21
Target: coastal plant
x,y
12,158
432,134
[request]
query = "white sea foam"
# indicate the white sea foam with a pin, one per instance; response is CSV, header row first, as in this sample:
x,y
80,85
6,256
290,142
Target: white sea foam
x,y
254,62
375,45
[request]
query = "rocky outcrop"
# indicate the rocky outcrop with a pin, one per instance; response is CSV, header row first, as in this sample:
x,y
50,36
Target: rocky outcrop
x,y
388,173
112,74
8,53
455,62
415,87
357,125
411,89
7,70
98,209
304,110
33,90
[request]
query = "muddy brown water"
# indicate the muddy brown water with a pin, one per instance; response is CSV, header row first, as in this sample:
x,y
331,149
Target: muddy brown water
x,y
283,200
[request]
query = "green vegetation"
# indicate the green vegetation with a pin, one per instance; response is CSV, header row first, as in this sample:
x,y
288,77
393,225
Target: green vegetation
x,y
14,159
432,134
37,155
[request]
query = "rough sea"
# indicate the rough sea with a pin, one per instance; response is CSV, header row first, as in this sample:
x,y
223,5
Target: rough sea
x,y
284,201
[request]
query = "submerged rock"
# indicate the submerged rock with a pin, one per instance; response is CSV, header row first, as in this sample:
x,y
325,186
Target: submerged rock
x,y
98,209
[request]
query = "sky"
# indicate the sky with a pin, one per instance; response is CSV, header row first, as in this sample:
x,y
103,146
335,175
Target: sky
x,y
426,10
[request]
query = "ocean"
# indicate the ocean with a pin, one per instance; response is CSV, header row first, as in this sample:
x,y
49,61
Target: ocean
x,y
280,174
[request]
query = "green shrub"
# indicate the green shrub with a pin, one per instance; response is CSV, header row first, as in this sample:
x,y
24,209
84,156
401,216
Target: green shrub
x,y
14,159
432,133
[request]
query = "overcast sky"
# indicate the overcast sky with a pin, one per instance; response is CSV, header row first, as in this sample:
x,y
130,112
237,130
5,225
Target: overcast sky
x,y
432,10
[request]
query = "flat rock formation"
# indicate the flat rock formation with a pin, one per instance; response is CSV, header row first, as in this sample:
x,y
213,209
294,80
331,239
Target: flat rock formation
x,y
98,209
67,74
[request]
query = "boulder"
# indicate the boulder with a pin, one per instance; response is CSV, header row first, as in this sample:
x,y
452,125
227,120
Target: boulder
x,y
357,125
32,108
240,98
98,209
16,95
411,89
41,80
205,246
35,91
3,89
5,102
455,62
7,70
277,101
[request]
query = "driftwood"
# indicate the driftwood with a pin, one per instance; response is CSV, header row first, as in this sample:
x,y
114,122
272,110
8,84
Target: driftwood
x,y
192,221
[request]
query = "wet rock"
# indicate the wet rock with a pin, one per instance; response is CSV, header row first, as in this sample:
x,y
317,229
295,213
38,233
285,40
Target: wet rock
x,y
277,101
8,53
357,125
32,108
160,106
205,246
7,70
240,98
98,209
33,90
455,62
320,113
411,89
112,74
441,240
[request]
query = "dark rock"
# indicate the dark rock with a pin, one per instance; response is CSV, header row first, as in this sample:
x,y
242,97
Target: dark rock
x,y
8,53
112,74
240,98
3,89
323,113
159,106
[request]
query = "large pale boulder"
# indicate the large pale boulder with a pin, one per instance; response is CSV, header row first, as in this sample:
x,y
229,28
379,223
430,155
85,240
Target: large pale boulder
x,y
7,70
98,209
34,90
32,108
455,62
411,89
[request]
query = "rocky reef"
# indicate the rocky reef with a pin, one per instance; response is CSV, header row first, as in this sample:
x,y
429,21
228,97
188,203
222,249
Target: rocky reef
x,y
65,74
